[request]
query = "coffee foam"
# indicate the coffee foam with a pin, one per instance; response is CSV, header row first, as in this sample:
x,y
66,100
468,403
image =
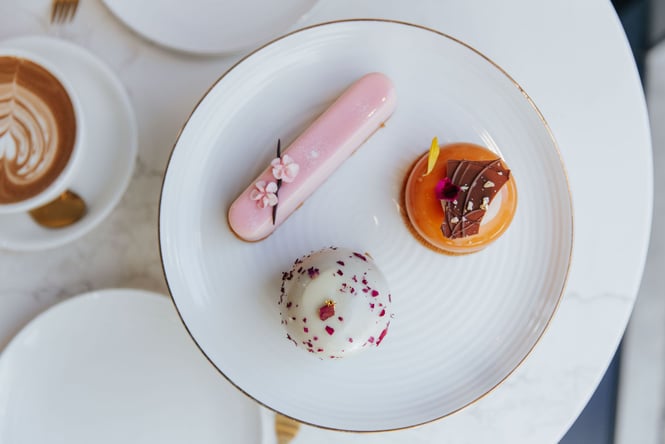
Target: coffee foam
x,y
37,129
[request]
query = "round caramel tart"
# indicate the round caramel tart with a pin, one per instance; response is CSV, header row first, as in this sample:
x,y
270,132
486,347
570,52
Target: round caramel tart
x,y
335,302
459,198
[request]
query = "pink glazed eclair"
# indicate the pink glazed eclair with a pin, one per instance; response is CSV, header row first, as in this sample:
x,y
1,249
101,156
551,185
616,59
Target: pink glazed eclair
x,y
297,172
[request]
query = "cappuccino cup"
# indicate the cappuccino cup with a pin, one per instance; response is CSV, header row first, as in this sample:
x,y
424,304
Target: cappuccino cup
x,y
41,132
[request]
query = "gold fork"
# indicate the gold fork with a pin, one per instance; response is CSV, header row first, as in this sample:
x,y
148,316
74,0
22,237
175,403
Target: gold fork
x,y
63,10
285,428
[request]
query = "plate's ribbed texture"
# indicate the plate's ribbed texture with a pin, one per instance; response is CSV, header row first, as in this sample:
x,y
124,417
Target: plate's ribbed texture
x,y
462,323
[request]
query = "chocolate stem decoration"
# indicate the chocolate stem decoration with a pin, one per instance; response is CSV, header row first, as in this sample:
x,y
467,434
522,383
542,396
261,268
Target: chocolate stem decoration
x,y
479,182
279,182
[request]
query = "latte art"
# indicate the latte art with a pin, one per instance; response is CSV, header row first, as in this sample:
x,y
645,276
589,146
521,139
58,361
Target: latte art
x,y
37,129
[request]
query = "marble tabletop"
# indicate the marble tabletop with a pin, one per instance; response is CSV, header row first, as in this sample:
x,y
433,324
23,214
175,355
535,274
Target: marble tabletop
x,y
572,58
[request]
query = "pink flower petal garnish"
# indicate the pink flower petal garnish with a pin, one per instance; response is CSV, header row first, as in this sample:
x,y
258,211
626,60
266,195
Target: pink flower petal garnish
x,y
446,190
264,194
255,194
284,168
269,200
258,191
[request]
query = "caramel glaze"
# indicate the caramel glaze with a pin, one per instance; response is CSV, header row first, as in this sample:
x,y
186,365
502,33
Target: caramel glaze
x,y
423,213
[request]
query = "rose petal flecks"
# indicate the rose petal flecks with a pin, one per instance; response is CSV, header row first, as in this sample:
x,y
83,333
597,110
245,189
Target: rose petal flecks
x,y
327,310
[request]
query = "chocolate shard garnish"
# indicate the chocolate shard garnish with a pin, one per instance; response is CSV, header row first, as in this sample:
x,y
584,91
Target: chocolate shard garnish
x,y
479,182
279,182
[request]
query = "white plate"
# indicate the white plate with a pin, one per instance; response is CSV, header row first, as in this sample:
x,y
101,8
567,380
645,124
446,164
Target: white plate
x,y
209,26
116,366
462,324
109,154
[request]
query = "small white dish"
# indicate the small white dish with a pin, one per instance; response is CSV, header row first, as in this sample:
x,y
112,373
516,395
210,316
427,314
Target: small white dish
x,y
108,156
116,366
462,325
209,26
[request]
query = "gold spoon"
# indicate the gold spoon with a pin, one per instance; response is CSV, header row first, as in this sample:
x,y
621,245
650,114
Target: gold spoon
x,y
66,209
285,428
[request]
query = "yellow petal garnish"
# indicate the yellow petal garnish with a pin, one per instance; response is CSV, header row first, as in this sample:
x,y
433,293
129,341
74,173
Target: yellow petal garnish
x,y
433,155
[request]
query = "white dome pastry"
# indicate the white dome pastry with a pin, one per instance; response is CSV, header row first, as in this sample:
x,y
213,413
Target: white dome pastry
x,y
335,302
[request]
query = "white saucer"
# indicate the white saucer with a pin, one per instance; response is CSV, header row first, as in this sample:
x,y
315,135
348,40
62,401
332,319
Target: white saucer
x,y
209,26
116,366
109,154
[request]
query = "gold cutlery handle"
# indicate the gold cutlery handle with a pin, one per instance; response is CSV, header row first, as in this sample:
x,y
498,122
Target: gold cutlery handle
x,y
285,428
